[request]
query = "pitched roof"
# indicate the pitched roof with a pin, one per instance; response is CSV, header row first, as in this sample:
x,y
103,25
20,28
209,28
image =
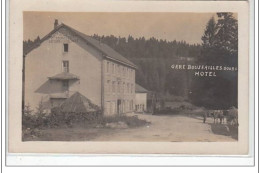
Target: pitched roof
x,y
140,89
78,103
105,49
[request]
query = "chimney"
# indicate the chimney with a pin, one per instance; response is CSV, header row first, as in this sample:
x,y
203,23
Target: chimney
x,y
56,23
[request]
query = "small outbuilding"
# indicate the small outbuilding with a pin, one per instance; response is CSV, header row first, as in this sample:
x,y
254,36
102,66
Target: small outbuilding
x,y
78,104
141,95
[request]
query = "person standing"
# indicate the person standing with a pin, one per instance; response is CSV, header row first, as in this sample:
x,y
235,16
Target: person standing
x,y
205,116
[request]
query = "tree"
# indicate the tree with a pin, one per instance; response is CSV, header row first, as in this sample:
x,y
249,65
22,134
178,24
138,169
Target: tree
x,y
227,35
209,36
220,41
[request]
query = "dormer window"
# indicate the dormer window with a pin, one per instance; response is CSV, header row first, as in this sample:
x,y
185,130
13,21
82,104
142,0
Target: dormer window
x,y
66,47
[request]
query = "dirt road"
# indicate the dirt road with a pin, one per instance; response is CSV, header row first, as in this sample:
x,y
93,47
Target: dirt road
x,y
167,128
162,128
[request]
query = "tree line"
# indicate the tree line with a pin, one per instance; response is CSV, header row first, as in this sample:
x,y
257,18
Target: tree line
x,y
28,44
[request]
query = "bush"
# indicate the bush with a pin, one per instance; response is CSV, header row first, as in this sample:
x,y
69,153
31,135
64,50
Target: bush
x,y
40,120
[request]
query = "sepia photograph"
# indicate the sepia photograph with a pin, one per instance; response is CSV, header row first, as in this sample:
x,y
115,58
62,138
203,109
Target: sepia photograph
x,y
130,76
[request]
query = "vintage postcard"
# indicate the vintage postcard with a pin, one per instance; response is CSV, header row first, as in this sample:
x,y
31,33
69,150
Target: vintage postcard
x,y
166,82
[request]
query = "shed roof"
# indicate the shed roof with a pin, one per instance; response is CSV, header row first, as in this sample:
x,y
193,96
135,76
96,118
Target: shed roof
x,y
140,89
64,76
105,49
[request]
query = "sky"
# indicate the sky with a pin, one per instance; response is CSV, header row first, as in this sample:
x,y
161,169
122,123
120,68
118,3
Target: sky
x,y
170,26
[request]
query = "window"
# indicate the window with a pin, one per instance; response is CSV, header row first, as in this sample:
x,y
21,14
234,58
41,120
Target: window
x,y
65,85
118,87
118,69
107,67
128,88
132,88
114,87
123,88
108,86
66,47
65,65
113,68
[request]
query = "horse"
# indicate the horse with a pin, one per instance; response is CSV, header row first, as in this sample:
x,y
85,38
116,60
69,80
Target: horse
x,y
218,114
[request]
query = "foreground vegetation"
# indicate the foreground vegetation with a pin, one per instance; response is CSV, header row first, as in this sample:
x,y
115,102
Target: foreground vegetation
x,y
33,123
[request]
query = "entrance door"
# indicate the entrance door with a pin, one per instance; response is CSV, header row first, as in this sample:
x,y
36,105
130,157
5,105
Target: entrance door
x,y
118,106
